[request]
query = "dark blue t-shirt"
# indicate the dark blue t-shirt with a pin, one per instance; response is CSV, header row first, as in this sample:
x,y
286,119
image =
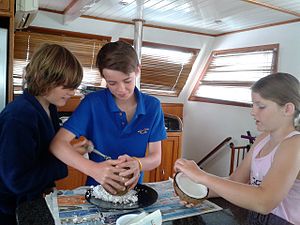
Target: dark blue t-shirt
x,y
27,167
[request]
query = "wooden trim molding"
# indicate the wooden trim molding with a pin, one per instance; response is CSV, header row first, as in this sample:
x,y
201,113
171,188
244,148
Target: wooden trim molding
x,y
273,7
66,33
10,60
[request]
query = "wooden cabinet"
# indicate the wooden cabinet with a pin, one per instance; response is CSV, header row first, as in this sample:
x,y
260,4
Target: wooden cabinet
x,y
71,104
74,179
173,109
169,108
171,150
4,5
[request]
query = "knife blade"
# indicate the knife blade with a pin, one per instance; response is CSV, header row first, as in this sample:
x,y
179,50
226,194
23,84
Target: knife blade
x,y
91,148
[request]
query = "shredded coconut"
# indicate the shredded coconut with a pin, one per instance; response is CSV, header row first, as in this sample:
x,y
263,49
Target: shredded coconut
x,y
100,193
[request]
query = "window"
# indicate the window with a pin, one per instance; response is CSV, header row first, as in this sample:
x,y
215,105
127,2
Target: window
x,y
165,68
84,47
229,74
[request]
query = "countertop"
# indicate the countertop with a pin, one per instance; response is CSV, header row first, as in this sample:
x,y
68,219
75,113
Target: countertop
x,y
37,213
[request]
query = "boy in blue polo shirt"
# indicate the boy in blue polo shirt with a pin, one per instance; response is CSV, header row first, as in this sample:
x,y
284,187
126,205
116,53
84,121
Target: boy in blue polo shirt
x,y
120,121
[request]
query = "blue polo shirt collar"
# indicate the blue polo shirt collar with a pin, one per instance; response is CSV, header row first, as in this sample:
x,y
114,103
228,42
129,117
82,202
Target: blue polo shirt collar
x,y
140,110
111,101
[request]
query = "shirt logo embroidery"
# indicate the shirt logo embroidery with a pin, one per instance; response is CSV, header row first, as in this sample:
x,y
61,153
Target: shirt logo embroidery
x,y
143,131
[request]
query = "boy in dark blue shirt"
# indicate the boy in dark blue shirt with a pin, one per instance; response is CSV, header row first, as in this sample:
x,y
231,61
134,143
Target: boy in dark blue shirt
x,y
27,126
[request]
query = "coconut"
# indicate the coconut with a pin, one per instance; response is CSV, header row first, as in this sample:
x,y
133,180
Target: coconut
x,y
188,190
120,192
128,198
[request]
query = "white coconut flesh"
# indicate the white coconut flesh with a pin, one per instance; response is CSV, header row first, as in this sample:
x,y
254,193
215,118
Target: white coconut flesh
x,y
190,188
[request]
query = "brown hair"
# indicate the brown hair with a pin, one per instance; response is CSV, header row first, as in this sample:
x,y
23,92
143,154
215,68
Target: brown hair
x,y
281,88
119,56
51,66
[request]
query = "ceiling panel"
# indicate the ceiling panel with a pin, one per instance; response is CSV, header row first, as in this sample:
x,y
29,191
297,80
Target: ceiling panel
x,y
203,16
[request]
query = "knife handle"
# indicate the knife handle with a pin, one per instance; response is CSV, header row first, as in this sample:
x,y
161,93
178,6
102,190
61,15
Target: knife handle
x,y
74,141
77,140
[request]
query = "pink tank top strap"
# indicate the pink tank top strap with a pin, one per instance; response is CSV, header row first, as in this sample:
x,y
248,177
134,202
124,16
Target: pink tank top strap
x,y
260,145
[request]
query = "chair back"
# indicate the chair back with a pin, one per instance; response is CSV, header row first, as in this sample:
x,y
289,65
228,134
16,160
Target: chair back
x,y
237,155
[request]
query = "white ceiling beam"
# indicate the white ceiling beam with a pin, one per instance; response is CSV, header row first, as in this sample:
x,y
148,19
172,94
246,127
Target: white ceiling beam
x,y
76,8
273,7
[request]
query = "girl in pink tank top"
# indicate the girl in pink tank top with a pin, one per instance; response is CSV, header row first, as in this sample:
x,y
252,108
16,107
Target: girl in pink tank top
x,y
268,179
289,208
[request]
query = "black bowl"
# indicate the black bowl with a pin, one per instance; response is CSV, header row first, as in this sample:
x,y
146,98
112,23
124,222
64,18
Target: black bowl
x,y
146,197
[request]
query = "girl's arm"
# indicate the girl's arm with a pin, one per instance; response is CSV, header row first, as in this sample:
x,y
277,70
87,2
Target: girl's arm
x,y
269,194
242,173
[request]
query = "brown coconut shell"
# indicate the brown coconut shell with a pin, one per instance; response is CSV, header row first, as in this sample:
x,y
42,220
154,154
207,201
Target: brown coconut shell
x,y
120,192
185,196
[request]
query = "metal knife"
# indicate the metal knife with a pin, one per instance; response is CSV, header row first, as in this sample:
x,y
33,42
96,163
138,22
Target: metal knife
x,y
90,148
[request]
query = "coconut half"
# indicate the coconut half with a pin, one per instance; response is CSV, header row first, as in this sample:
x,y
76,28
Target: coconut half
x,y
188,190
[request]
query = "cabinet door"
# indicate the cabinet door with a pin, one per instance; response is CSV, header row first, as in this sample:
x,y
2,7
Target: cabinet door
x,y
170,149
4,5
74,179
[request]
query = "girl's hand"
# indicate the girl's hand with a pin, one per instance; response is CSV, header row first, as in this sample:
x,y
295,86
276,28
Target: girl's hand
x,y
190,169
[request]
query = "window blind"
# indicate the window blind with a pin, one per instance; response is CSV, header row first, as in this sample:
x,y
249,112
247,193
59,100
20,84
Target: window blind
x,y
165,68
84,48
229,74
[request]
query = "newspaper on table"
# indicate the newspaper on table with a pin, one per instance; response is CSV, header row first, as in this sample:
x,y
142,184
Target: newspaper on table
x,y
70,207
